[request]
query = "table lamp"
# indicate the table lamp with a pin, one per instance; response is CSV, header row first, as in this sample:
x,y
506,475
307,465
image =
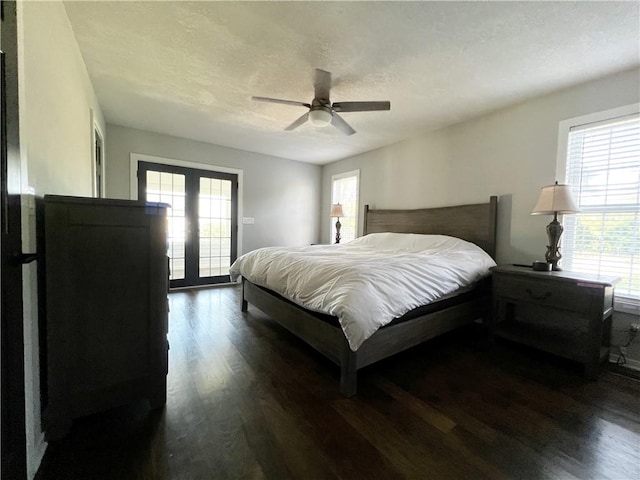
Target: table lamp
x,y
336,211
554,199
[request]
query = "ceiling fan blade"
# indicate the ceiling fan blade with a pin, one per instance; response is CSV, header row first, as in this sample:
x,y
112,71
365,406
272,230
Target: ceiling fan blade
x,y
322,84
338,122
277,100
360,106
298,122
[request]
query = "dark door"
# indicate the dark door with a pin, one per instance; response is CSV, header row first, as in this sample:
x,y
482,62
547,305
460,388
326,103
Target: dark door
x,y
98,165
13,418
203,220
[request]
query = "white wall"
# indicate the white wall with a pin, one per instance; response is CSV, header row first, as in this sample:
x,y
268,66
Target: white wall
x,y
510,153
283,196
56,101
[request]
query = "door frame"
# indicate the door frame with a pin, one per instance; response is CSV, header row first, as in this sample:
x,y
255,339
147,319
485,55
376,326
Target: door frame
x,y
134,158
97,133
12,375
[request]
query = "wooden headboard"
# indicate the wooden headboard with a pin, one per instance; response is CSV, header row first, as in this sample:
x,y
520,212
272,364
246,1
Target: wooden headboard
x,y
474,223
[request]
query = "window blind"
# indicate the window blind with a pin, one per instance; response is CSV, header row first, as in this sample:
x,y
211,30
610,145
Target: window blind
x,y
603,168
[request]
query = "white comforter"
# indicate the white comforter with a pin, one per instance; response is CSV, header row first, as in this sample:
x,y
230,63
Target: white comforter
x,y
369,281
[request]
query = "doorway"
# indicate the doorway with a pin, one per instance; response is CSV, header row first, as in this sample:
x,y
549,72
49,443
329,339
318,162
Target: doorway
x,y
203,220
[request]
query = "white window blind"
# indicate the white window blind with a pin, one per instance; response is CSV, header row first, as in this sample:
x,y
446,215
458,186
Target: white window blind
x,y
344,190
603,168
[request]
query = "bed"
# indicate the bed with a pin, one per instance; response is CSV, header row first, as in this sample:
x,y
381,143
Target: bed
x,y
475,223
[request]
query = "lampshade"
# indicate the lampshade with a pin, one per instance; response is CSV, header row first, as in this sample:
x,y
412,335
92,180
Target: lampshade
x,y
336,210
320,117
555,199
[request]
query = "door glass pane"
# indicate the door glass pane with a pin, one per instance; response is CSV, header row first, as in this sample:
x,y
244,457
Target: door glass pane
x,y
214,216
170,188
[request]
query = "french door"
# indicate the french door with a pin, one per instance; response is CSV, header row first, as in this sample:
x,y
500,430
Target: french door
x,y
203,220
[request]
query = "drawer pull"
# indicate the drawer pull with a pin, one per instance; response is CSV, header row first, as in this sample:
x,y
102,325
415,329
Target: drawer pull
x,y
538,297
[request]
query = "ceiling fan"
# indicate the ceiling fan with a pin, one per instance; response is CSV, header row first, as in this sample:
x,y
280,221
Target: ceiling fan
x,y
321,111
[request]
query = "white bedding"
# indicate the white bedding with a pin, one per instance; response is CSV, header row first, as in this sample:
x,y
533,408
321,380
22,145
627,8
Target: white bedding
x,y
369,281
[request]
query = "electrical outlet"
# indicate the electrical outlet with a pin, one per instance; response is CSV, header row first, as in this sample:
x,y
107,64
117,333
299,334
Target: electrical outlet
x,y
634,327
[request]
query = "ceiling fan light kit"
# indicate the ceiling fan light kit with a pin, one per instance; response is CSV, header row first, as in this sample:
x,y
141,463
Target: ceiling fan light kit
x,y
320,117
321,112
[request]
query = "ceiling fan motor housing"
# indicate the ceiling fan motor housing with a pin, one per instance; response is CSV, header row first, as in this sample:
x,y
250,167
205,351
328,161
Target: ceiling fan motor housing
x,y
320,115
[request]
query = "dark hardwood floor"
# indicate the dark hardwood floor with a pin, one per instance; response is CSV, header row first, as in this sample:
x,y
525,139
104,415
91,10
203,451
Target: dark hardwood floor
x,y
248,400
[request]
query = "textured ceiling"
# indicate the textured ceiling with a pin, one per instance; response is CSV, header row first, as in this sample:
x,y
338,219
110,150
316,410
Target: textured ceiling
x,y
188,69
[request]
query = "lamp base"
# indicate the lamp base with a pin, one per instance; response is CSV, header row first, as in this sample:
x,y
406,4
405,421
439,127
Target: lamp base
x,y
554,231
338,225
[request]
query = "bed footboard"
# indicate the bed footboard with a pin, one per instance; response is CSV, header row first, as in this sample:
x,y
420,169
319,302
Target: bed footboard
x,y
331,342
325,338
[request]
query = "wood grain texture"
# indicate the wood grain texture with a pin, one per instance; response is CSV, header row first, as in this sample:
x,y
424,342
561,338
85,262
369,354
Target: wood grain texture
x,y
385,342
474,223
247,399
562,313
105,322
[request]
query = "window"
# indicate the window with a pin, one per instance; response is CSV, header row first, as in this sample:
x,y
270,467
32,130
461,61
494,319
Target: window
x,y
344,190
603,168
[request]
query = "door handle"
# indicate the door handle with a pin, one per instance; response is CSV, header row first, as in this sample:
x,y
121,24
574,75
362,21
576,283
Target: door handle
x,y
24,258
538,297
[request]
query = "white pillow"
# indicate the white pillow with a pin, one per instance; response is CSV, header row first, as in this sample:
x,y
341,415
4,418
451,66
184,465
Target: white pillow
x,y
412,242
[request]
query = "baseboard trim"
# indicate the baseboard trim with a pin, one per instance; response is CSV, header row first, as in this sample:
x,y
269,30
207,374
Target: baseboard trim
x,y
630,362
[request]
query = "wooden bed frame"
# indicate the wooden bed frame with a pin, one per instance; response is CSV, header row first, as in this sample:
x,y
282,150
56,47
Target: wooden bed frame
x,y
475,223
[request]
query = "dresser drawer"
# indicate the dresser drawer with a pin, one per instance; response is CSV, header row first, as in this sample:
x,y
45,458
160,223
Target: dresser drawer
x,y
558,295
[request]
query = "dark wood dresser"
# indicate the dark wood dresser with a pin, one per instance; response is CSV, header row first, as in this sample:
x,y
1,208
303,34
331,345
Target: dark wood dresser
x,y
103,320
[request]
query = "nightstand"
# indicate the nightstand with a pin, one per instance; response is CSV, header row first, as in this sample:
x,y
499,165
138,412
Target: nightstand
x,y
564,313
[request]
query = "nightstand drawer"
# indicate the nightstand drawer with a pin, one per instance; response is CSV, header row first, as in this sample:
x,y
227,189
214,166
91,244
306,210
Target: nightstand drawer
x,y
565,296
